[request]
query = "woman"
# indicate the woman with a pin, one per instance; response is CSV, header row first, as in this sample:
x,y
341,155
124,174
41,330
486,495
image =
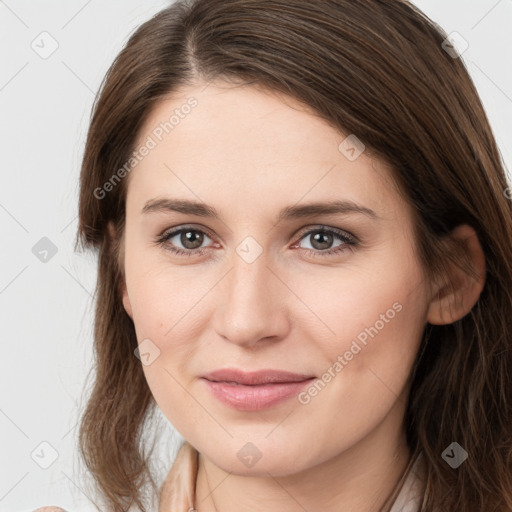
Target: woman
x,y
304,244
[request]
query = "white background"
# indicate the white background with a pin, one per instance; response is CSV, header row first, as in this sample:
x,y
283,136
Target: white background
x,y
46,308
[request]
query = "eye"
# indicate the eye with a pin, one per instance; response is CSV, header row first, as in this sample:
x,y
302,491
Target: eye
x,y
190,238
322,238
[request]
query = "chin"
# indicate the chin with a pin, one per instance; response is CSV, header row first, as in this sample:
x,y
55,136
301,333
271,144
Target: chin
x,y
257,458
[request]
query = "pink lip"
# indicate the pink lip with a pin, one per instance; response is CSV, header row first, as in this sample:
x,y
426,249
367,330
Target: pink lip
x,y
255,390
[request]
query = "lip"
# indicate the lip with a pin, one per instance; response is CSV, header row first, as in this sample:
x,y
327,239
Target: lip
x,y
254,391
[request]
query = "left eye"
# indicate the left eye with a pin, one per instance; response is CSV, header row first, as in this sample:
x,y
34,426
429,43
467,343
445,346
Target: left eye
x,y
322,237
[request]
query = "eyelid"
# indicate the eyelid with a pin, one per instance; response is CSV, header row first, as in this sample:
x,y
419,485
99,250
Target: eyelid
x,y
323,227
181,227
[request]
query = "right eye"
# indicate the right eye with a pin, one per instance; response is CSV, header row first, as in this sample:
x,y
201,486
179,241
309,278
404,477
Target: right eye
x,y
190,238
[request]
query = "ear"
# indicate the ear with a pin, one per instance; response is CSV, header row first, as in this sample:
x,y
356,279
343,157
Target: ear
x,y
124,292
126,301
456,297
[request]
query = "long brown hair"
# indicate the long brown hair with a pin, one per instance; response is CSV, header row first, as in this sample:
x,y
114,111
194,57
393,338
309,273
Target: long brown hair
x,y
374,68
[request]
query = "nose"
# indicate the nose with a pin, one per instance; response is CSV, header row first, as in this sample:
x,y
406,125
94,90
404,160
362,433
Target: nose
x,y
253,304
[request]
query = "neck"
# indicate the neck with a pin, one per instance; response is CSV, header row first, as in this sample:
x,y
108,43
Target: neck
x,y
362,478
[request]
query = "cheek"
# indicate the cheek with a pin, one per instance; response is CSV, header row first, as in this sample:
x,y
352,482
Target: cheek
x,y
367,364
170,308
369,329
378,335
165,308
160,295
363,304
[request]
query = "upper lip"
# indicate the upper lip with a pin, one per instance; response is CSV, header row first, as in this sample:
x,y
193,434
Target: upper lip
x,y
255,378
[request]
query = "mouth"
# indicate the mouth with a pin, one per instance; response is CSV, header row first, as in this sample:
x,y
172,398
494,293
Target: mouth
x,y
254,391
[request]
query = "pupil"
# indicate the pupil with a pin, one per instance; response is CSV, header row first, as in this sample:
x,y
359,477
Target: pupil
x,y
189,236
318,239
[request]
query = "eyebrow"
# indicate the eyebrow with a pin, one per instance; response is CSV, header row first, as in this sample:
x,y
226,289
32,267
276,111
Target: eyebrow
x,y
290,212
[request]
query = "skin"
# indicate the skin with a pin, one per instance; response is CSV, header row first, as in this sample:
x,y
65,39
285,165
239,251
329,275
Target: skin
x,y
249,153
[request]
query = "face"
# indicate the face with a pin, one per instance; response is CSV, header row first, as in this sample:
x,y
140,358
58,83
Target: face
x,y
261,281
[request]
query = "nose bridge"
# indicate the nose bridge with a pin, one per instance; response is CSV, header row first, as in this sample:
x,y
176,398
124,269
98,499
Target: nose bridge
x,y
252,304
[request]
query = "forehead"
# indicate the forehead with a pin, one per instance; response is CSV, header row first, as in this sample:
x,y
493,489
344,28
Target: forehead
x,y
249,147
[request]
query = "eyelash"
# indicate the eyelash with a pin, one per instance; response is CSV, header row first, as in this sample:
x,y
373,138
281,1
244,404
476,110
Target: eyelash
x,y
349,241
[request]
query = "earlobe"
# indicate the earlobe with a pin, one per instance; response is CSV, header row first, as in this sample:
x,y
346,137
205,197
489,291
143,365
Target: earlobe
x,y
126,302
457,296
124,293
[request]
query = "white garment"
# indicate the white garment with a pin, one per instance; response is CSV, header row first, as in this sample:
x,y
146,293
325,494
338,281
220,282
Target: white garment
x,y
411,494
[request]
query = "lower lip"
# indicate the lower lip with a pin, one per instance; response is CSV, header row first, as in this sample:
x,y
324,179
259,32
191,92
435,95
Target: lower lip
x,y
255,398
